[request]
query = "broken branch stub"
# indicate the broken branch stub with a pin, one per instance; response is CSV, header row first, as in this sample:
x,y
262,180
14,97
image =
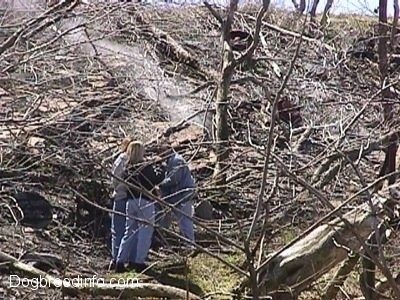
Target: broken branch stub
x,y
324,248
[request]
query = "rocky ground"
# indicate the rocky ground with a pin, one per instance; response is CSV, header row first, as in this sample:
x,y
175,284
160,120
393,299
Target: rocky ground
x,y
66,101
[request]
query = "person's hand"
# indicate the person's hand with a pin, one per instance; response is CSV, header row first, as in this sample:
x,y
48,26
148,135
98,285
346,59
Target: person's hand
x,y
165,181
157,190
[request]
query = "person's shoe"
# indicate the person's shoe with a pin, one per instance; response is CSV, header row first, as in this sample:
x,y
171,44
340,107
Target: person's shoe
x,y
131,266
139,268
120,268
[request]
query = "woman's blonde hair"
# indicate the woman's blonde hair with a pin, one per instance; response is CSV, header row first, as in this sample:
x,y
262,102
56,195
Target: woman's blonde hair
x,y
135,151
125,143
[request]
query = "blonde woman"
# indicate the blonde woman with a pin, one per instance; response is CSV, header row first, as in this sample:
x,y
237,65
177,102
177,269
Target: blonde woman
x,y
136,242
119,198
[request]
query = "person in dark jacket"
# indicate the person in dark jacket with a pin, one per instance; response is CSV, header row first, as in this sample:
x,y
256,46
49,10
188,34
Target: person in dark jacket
x,y
179,189
137,238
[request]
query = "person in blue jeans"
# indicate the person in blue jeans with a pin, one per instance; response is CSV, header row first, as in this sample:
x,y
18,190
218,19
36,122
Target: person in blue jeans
x,y
178,189
141,177
119,198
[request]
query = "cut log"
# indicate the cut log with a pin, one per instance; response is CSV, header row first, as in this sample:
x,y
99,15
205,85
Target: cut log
x,y
96,287
324,248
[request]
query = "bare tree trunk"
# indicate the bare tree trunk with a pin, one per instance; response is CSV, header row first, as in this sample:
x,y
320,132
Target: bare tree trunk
x,y
393,38
389,164
313,11
382,54
367,278
222,101
221,123
328,6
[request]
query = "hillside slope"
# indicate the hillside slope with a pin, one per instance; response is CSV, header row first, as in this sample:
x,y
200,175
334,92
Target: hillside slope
x,y
65,103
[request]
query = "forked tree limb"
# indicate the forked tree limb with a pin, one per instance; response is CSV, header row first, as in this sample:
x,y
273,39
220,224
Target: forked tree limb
x,y
249,52
327,8
214,12
94,288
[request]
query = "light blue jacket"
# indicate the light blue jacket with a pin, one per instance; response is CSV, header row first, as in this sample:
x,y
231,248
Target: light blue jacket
x,y
179,184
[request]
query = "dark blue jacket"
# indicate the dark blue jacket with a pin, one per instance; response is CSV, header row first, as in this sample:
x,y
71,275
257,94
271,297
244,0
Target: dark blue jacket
x,y
179,184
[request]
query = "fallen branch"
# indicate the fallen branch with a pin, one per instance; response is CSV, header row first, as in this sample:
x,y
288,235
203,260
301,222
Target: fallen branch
x,y
353,154
325,247
293,34
384,285
339,278
95,288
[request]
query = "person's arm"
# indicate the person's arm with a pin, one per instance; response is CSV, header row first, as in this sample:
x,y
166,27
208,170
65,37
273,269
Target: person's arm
x,y
150,178
118,169
174,172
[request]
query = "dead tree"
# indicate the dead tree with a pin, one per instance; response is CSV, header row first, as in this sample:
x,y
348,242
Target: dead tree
x,y
367,279
228,66
224,82
389,165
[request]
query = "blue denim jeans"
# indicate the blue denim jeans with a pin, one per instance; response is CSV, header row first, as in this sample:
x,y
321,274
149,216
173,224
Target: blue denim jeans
x,y
117,227
136,242
185,223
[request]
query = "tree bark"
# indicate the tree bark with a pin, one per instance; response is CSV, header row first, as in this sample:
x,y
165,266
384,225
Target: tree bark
x,y
389,165
339,278
393,38
222,101
313,11
367,276
221,124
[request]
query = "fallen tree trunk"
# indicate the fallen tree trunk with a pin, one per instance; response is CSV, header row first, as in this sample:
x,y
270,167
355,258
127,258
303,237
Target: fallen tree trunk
x,y
96,287
296,267
339,278
170,47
